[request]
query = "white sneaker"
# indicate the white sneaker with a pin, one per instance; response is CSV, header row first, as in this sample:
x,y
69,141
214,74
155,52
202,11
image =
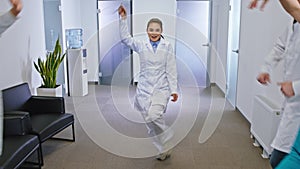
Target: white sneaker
x,y
164,156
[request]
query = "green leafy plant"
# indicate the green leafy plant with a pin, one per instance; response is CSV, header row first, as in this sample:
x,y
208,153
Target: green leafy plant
x,y
48,68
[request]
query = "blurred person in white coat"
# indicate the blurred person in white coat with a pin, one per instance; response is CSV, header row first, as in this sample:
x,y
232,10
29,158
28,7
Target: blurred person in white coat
x,y
8,18
291,6
285,49
157,80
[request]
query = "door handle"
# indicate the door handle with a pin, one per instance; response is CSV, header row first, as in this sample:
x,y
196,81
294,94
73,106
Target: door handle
x,y
206,44
235,51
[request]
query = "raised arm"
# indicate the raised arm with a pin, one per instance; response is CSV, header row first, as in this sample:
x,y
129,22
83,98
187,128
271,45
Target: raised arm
x,y
16,7
292,7
124,32
275,56
7,19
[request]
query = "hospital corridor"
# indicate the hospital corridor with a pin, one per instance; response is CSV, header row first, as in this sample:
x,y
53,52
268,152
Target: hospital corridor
x,y
148,84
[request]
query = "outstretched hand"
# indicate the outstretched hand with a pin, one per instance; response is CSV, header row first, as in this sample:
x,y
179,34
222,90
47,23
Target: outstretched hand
x,y
122,11
264,78
175,97
253,4
290,6
16,7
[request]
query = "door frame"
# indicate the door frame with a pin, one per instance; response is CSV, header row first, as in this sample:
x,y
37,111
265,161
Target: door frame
x,y
208,61
231,88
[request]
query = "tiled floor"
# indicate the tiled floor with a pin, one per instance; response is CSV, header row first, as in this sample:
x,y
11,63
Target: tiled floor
x,y
229,147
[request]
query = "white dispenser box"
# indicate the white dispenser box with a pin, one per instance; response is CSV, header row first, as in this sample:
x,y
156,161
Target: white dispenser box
x,y
77,72
265,120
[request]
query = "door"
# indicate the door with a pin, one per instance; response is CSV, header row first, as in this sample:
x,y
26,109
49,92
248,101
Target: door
x,y
115,61
53,23
192,42
219,41
53,30
233,50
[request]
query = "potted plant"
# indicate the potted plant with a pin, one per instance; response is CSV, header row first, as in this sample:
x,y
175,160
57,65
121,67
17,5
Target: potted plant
x,y
48,71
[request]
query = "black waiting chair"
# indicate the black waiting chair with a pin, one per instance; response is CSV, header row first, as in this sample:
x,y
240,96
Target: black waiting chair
x,y
47,114
18,144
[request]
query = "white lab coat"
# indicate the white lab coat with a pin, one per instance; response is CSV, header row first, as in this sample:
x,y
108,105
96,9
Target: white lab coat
x,y
6,20
287,49
157,81
158,74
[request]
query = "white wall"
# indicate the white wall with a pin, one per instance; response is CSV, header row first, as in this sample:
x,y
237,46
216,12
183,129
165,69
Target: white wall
x,y
71,16
21,44
90,38
143,11
259,31
24,41
83,14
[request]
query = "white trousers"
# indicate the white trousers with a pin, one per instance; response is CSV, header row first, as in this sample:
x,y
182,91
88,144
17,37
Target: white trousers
x,y
157,129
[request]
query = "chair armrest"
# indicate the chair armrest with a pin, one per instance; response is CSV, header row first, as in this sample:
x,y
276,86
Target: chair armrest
x,y
45,104
17,123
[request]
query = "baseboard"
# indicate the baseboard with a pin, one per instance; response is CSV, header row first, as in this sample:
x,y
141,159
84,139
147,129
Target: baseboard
x,y
93,82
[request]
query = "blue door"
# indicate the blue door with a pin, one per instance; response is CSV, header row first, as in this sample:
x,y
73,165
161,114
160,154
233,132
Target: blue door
x,y
115,61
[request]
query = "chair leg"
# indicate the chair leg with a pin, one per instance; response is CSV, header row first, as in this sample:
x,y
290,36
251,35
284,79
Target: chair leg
x,y
41,155
34,164
73,132
67,139
40,150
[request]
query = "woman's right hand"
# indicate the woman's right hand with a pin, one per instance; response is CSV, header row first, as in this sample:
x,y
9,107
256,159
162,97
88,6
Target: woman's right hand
x,y
122,11
264,78
16,7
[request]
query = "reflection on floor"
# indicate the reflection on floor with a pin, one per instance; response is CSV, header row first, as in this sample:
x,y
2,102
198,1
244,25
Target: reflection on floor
x,y
229,147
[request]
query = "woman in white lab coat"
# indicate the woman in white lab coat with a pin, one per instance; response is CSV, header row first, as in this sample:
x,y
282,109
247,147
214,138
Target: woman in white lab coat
x,y
7,19
157,79
287,49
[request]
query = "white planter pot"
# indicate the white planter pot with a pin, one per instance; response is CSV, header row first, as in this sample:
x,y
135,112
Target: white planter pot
x,y
56,92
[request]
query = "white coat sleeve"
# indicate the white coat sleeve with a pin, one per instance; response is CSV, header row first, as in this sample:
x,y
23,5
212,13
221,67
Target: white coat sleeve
x,y
126,38
276,54
296,87
171,70
6,20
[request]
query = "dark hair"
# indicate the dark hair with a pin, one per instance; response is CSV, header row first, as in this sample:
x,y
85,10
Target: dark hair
x,y
155,20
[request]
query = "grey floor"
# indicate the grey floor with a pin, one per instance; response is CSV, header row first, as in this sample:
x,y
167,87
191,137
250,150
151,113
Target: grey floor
x,y
229,147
